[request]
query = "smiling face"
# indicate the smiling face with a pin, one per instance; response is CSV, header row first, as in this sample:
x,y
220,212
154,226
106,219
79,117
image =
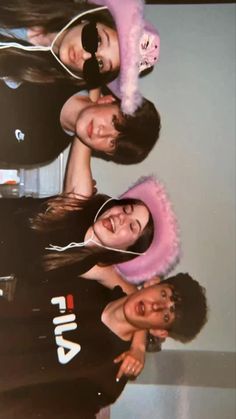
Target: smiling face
x,y
95,126
151,308
73,55
120,226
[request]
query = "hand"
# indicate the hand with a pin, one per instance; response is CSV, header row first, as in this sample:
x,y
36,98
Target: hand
x,y
133,363
94,187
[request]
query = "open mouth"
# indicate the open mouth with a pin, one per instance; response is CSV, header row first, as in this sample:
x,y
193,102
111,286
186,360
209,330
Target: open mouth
x,y
140,308
90,129
108,223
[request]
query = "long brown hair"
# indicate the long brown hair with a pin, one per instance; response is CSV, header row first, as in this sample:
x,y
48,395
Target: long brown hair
x,y
41,66
68,219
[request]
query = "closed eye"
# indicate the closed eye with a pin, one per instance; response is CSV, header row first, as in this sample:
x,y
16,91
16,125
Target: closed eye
x,y
133,227
128,209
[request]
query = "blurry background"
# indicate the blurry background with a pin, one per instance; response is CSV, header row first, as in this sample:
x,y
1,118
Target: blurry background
x,y
193,86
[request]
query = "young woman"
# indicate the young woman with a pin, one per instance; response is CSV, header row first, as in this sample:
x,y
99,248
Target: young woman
x,y
38,121
82,231
82,42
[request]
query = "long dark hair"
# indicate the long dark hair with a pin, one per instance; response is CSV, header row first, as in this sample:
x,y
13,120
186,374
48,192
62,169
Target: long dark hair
x,y
68,219
41,66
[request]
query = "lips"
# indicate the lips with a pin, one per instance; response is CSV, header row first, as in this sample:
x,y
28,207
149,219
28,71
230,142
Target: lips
x,y
90,129
108,224
72,55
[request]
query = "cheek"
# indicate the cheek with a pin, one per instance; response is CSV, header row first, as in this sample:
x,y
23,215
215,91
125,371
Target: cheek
x,y
74,36
81,128
115,60
115,54
126,238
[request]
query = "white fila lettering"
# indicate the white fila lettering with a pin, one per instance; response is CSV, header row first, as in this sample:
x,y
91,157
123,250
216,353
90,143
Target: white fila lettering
x,y
66,350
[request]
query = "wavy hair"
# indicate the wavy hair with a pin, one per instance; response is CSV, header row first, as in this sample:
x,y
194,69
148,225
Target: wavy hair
x,y
190,307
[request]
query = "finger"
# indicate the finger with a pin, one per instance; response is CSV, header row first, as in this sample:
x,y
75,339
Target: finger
x,y
119,358
129,369
120,373
135,369
125,368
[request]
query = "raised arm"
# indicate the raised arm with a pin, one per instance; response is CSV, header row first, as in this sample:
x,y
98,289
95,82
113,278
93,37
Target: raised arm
x,y
78,179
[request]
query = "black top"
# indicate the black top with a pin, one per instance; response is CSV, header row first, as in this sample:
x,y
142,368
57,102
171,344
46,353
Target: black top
x,y
56,356
30,130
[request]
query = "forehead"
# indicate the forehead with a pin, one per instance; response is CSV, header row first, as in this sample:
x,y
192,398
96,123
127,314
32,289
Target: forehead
x,y
157,288
105,108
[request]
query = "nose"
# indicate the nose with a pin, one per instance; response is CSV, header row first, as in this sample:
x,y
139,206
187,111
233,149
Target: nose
x,y
162,305
121,218
158,306
86,55
103,130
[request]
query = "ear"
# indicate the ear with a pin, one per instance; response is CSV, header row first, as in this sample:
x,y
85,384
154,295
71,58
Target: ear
x,y
103,100
154,281
159,333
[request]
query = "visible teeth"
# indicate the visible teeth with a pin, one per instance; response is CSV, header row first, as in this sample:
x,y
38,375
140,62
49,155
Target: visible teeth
x,y
142,307
112,224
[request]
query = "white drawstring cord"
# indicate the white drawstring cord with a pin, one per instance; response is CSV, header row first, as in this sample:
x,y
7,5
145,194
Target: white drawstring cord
x,y
91,239
50,48
25,47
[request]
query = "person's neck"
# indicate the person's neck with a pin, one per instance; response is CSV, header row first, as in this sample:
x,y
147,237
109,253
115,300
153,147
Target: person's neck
x,y
71,110
113,317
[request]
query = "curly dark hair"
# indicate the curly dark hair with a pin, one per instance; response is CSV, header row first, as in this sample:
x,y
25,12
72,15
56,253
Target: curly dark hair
x,y
190,307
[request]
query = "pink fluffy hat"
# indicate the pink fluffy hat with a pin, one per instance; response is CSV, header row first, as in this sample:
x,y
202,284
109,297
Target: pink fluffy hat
x,y
139,44
164,252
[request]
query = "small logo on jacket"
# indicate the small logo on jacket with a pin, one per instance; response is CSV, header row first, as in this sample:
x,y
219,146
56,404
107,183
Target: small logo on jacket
x,y
66,349
20,136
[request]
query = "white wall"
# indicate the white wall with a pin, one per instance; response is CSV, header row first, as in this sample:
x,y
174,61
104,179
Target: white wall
x,y
194,89
168,402
193,86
